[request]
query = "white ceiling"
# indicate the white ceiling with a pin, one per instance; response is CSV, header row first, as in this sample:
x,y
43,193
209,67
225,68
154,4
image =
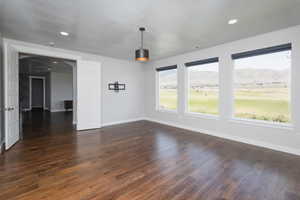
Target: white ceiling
x,y
110,27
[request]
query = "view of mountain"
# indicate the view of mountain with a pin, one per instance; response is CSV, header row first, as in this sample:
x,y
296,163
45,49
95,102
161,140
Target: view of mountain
x,y
242,76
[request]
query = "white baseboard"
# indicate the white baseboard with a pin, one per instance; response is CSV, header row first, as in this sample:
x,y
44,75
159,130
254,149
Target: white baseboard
x,y
123,121
57,110
28,109
234,138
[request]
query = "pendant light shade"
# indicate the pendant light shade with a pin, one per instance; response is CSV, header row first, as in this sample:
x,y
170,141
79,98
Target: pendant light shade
x,y
142,54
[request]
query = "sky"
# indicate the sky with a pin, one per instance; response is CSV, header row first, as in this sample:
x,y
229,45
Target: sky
x,y
212,67
274,61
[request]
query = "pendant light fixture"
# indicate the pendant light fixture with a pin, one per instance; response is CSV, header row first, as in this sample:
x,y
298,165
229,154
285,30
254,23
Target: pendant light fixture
x,y
142,54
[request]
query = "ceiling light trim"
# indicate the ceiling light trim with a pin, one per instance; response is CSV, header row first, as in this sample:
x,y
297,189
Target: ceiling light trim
x,y
63,33
233,21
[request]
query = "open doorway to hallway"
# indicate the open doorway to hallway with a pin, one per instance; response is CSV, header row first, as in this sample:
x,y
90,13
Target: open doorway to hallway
x,y
87,87
46,95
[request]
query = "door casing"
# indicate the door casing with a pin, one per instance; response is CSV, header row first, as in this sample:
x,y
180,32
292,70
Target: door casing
x,y
23,47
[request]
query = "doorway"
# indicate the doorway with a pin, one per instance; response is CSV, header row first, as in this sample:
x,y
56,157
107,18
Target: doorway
x,y
87,87
46,93
37,92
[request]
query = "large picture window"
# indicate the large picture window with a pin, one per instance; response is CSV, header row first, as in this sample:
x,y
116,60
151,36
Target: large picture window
x,y
262,84
167,86
203,86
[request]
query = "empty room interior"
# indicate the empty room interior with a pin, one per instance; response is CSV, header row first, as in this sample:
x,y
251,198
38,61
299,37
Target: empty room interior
x,y
45,94
160,100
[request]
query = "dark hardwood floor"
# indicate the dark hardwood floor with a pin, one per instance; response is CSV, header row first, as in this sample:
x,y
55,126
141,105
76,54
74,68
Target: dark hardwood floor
x,y
138,161
38,123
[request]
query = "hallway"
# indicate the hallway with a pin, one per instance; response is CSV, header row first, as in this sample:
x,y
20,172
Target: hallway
x,y
38,123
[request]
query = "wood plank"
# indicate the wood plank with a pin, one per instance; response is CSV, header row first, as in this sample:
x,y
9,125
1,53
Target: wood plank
x,y
140,160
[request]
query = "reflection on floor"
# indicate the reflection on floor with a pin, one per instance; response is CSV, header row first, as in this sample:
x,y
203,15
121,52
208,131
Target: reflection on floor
x,y
142,160
37,123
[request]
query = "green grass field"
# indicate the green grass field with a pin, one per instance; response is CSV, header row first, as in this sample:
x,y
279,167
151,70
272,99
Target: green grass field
x,y
269,104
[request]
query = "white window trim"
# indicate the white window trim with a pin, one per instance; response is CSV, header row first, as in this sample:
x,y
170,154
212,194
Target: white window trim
x,y
187,97
186,90
293,74
202,115
231,117
264,123
157,102
168,111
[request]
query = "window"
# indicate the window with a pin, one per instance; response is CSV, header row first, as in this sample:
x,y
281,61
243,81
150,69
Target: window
x,y
203,86
262,84
167,84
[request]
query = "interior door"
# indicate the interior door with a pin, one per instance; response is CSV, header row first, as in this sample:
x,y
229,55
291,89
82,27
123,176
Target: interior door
x,y
11,100
88,95
37,93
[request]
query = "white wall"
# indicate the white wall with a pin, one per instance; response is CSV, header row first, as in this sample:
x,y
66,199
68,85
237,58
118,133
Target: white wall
x,y
281,138
1,93
48,90
124,105
74,94
116,107
61,90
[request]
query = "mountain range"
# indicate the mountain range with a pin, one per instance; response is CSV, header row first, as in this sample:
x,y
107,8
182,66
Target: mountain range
x,y
241,76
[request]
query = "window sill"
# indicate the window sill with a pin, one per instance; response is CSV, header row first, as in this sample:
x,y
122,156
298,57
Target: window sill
x,y
201,115
260,123
167,111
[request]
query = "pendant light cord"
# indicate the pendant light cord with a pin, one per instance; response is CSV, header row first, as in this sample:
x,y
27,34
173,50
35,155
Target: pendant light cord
x,y
142,29
142,39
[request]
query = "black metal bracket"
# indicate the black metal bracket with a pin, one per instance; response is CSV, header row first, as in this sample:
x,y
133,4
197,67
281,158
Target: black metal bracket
x,y
116,86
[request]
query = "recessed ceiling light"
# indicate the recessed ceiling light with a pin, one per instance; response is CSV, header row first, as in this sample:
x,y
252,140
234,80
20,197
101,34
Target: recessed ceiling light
x,y
64,33
232,21
54,62
51,44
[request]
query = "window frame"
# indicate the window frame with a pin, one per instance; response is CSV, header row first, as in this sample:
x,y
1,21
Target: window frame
x,y
187,87
254,53
157,86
